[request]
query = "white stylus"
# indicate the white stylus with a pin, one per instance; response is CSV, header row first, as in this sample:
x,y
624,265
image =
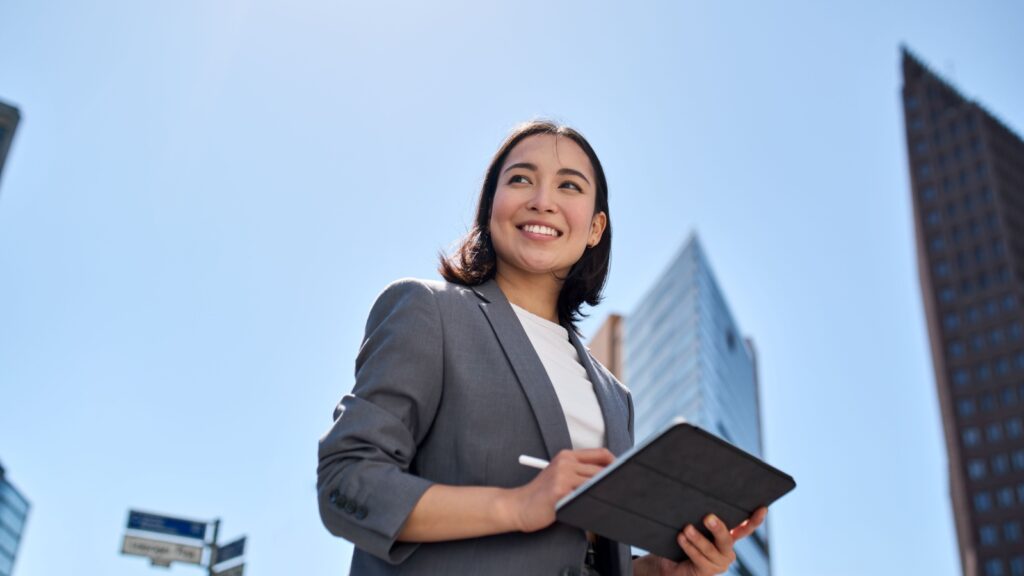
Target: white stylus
x,y
532,462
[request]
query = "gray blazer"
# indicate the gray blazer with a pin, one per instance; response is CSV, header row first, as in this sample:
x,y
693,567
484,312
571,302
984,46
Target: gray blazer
x,y
450,390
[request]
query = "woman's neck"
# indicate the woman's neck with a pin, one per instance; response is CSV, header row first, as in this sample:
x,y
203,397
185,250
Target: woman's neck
x,y
535,294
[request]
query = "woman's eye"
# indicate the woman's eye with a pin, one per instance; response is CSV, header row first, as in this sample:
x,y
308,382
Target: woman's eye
x,y
571,185
518,179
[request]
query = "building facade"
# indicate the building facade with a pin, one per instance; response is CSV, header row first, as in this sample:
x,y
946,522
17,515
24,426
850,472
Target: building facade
x,y
9,118
13,513
682,354
967,187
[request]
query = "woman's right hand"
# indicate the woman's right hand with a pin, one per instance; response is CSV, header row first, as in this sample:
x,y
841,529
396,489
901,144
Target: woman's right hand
x,y
533,504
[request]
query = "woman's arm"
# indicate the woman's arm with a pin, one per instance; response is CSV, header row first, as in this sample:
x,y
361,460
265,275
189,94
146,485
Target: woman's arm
x,y
456,512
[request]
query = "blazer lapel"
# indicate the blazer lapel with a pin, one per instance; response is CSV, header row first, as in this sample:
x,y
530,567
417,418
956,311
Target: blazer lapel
x,y
527,367
615,414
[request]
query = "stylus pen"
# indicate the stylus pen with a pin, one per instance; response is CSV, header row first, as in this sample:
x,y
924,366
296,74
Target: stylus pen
x,y
532,462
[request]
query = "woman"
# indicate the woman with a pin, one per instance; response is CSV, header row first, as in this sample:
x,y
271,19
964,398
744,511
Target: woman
x,y
456,380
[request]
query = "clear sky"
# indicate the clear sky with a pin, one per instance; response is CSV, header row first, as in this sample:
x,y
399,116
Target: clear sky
x,y
203,199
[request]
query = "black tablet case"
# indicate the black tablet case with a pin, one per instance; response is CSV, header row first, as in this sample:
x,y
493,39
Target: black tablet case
x,y
674,478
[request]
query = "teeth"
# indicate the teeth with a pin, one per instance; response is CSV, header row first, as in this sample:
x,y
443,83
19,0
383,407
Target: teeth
x,y
540,230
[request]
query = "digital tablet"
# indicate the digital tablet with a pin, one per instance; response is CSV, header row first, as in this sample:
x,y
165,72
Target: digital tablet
x,y
673,478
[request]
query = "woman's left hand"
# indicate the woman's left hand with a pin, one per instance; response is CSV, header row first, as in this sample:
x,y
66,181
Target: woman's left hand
x,y
705,558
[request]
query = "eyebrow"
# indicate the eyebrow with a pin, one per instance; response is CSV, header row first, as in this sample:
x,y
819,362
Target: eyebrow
x,y
563,171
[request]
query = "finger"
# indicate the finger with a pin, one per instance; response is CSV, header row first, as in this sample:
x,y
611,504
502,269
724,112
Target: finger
x,y
601,456
705,546
588,470
750,524
723,540
696,556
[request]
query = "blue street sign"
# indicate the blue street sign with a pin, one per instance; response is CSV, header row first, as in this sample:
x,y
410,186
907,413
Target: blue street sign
x,y
232,550
166,525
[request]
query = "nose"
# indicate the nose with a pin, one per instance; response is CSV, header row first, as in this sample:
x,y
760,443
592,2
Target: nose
x,y
543,199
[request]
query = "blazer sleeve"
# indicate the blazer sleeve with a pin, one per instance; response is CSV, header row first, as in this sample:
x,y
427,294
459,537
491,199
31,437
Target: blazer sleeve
x,y
365,489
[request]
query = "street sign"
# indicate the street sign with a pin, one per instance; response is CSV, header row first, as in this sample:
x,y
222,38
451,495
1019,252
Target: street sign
x,y
236,571
160,552
232,550
166,525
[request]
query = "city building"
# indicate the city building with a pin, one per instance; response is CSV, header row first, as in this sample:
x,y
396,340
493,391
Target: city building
x,y
9,117
13,513
967,188
681,353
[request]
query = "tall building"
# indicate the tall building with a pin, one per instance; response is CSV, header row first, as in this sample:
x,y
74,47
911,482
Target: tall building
x,y
967,186
13,512
682,354
9,117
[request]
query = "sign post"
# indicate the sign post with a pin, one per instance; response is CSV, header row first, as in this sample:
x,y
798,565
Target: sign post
x,y
188,540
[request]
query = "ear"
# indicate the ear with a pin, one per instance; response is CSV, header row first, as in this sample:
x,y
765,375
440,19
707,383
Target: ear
x,y
597,226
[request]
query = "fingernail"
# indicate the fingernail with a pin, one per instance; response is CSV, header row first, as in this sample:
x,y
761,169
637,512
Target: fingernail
x,y
712,521
691,531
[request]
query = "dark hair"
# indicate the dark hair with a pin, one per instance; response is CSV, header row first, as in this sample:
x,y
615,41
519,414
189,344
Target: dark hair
x,y
474,261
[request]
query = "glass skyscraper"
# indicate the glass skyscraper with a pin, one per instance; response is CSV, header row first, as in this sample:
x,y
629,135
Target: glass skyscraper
x,y
682,354
13,512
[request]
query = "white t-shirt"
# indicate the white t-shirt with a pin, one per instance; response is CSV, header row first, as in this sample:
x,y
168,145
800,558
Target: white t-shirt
x,y
569,377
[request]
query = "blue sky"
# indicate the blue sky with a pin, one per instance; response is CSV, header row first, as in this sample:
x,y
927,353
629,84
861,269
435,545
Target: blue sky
x,y
204,198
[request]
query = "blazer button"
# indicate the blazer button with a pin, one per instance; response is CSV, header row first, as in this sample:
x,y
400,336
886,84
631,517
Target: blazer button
x,y
361,512
350,507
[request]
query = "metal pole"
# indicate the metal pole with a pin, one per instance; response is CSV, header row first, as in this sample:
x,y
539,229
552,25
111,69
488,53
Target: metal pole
x,y
213,545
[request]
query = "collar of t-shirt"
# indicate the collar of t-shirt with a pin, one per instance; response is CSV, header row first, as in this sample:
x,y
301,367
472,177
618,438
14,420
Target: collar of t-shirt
x,y
572,385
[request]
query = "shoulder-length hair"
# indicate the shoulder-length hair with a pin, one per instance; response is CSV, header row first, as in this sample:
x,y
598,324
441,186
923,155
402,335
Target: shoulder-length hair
x,y
474,261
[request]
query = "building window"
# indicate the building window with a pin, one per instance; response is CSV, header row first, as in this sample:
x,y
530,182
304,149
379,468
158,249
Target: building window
x,y
994,567
1011,531
1018,460
974,315
938,243
994,432
1014,426
1017,566
991,307
976,470
942,269
961,377
972,437
984,372
1002,366
934,218
947,294
982,502
996,336
988,402
952,321
965,407
929,193
1005,497
956,349
924,170
1009,302
989,535
1015,331
1010,399
977,342
1000,464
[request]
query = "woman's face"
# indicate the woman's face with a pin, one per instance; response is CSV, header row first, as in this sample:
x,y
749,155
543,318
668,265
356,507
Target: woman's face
x,y
543,213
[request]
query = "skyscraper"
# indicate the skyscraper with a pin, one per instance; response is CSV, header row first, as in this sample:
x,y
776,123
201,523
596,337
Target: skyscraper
x,y
9,117
13,512
967,186
682,354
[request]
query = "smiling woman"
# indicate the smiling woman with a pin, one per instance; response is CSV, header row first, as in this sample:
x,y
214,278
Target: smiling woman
x,y
456,380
